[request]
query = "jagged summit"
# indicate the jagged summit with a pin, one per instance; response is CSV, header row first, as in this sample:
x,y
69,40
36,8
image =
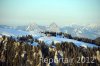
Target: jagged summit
x,y
54,27
54,24
91,30
36,28
33,27
93,25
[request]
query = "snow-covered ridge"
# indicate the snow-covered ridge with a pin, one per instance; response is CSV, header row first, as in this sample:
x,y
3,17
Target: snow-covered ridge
x,y
33,27
54,28
42,37
37,28
86,31
91,31
49,40
12,32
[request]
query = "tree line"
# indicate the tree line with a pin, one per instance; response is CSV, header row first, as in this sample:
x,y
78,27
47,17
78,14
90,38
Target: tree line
x,y
66,35
19,52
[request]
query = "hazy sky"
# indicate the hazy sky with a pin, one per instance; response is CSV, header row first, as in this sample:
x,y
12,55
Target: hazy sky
x,y
44,12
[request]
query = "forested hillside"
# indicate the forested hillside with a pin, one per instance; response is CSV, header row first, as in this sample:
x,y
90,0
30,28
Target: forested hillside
x,y
23,51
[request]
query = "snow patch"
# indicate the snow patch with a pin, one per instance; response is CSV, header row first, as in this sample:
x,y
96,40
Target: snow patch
x,y
49,40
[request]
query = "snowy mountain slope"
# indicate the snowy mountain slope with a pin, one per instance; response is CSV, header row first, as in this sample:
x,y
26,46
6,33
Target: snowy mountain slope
x,y
49,40
82,31
54,28
91,31
37,28
34,27
12,32
23,28
5,26
15,33
42,37
93,26
36,34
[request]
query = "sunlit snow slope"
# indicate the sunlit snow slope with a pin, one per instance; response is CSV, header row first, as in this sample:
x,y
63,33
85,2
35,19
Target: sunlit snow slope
x,y
41,37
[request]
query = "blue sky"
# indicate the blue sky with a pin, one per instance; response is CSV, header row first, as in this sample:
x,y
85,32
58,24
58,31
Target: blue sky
x,y
44,12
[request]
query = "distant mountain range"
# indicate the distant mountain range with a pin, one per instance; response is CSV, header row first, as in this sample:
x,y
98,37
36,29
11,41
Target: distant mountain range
x,y
88,31
83,31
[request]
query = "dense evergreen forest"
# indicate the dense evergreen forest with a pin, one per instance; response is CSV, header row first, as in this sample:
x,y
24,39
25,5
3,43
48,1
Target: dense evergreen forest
x,y
20,52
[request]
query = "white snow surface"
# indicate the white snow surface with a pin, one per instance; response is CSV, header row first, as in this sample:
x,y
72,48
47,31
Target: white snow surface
x,y
34,44
15,33
49,40
42,37
12,32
